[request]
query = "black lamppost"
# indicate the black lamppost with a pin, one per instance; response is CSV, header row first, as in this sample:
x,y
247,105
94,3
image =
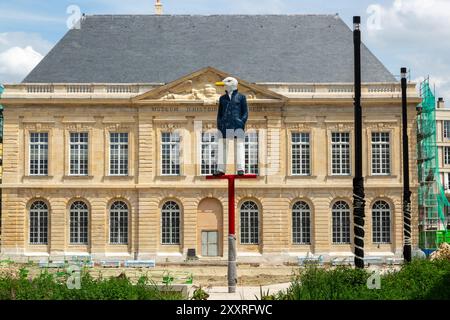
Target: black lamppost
x,y
358,180
406,190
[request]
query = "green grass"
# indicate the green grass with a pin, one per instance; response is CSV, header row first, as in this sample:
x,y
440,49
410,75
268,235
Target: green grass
x,y
48,286
418,280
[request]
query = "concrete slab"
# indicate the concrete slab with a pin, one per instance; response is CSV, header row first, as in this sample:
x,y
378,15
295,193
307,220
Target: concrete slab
x,y
242,293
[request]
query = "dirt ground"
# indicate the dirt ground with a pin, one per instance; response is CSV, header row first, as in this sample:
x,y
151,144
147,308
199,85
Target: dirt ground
x,y
202,275
205,276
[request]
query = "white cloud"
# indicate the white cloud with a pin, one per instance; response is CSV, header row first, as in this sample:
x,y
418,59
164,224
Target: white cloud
x,y
23,39
19,53
415,33
17,62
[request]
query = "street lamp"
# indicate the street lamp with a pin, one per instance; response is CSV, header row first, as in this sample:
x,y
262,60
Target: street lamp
x,y
358,180
406,190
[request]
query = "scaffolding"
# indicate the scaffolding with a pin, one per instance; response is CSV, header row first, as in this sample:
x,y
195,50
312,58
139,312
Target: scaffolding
x,y
433,223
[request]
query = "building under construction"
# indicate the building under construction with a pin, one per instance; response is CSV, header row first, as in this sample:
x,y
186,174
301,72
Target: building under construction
x,y
433,203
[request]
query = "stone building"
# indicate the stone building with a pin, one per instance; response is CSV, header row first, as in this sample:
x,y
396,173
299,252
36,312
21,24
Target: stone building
x,y
443,145
108,141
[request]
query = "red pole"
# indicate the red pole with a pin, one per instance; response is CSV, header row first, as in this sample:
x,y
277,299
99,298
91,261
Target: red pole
x,y
231,208
231,189
232,270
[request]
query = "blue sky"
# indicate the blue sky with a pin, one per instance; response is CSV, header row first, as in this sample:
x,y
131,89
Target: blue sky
x,y
411,33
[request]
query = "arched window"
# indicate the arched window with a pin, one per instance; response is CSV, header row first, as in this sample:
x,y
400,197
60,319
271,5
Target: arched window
x,y
381,222
301,223
341,222
79,215
118,223
170,223
249,223
38,223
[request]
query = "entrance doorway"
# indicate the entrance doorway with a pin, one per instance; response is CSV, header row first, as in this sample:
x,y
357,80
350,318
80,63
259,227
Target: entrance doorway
x,y
210,245
210,228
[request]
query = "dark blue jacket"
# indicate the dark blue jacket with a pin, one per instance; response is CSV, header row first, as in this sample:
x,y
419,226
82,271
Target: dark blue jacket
x,y
232,113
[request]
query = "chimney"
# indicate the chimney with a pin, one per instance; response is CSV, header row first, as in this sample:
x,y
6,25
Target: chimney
x,y
158,7
441,103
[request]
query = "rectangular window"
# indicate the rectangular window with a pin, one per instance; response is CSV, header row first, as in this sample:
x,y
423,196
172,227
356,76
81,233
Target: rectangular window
x,y
446,126
39,225
447,182
381,222
340,153
170,227
118,227
249,227
79,153
301,158
118,156
210,149
447,155
341,227
170,153
381,154
79,215
301,224
251,153
39,153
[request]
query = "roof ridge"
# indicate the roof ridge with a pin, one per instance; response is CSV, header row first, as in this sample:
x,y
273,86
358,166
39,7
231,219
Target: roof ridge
x,y
214,15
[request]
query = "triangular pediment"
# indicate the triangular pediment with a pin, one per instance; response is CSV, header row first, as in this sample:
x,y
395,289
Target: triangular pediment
x,y
201,86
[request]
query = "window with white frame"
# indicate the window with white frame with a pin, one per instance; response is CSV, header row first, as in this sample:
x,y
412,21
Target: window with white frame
x,y
300,153
381,222
447,156
118,156
118,223
79,153
341,222
79,227
170,223
446,129
251,152
39,153
340,153
249,223
38,223
170,153
381,154
210,149
301,223
447,181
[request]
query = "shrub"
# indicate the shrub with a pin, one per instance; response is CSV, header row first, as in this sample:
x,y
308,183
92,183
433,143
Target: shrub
x,y
420,279
48,286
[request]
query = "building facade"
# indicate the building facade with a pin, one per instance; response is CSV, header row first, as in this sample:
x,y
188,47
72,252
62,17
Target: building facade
x,y
443,142
443,145
117,169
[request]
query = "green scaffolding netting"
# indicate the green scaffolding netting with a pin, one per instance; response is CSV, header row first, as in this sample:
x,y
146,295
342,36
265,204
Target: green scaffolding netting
x,y
432,199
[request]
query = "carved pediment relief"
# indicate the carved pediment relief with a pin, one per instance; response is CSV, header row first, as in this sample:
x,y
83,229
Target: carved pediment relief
x,y
187,91
201,86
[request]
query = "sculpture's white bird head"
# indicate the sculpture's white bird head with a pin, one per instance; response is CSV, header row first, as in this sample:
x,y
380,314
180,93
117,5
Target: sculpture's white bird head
x,y
231,84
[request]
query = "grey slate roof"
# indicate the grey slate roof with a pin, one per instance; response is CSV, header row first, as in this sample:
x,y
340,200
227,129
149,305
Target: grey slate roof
x,y
160,49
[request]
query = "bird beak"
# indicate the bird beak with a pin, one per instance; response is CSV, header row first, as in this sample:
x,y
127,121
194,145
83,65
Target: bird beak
x,y
220,84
